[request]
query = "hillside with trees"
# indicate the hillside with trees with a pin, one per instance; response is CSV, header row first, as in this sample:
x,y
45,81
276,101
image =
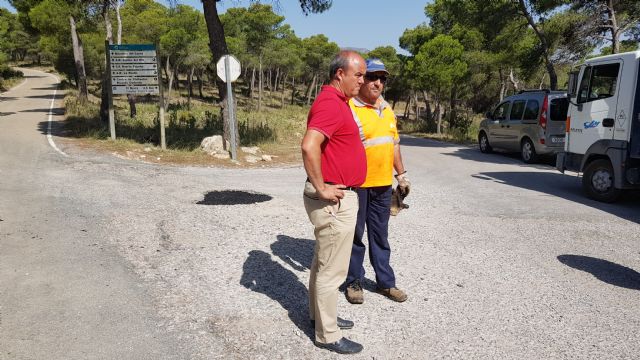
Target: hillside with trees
x,y
465,57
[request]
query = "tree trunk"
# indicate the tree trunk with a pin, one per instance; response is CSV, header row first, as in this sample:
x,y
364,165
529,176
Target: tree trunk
x,y
284,81
253,83
310,89
542,80
78,57
453,112
293,90
427,105
217,42
503,85
615,30
439,110
407,107
417,104
260,84
514,81
132,105
218,46
190,86
553,77
104,101
131,99
275,87
170,75
199,75
119,38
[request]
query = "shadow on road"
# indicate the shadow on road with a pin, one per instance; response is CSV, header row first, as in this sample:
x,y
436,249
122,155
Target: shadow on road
x,y
264,275
57,127
420,142
6,113
297,253
604,270
55,111
48,97
499,157
566,187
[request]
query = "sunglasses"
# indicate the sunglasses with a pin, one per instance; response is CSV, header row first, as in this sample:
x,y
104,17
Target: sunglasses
x,y
373,77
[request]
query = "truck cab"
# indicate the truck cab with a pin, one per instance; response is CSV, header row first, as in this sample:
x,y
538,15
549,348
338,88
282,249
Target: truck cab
x,y
603,126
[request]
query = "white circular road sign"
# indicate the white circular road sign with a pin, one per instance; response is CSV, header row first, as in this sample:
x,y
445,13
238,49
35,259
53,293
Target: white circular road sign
x,y
234,68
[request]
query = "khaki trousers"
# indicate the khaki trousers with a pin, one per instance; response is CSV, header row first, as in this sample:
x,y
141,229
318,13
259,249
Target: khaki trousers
x,y
334,226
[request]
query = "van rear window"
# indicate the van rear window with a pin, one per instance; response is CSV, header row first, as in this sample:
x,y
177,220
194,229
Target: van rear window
x,y
558,110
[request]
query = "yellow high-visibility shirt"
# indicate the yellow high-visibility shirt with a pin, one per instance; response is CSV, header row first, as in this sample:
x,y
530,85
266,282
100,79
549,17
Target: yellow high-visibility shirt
x,y
379,134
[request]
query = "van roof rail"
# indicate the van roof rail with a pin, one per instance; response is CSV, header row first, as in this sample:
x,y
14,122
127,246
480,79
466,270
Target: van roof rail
x,y
534,90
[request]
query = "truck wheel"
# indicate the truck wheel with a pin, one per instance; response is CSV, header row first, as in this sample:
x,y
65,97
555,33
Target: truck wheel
x,y
598,181
483,142
528,151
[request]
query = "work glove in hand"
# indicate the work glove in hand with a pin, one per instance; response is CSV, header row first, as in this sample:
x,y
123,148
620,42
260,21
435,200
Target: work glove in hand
x,y
404,186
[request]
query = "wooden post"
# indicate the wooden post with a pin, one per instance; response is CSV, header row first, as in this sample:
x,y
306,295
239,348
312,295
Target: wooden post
x,y
112,119
163,141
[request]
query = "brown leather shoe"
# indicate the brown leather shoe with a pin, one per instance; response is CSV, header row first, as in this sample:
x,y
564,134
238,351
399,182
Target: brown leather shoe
x,y
394,294
354,293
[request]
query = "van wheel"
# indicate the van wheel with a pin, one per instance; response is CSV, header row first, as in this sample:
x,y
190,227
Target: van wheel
x,y
528,152
483,142
598,181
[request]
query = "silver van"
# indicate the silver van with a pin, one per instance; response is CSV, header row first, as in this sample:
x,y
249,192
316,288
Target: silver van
x,y
531,122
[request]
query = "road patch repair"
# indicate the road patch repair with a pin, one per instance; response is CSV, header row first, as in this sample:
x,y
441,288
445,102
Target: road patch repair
x,y
233,197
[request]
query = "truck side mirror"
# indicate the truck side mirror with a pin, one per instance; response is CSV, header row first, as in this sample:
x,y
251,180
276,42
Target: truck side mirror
x,y
573,84
489,115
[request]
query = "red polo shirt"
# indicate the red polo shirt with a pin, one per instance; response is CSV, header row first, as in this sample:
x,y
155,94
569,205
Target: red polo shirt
x,y
343,157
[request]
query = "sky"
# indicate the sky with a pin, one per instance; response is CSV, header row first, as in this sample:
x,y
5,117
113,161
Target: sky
x,y
349,23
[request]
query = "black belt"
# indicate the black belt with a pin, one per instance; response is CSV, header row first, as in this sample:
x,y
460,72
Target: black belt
x,y
350,188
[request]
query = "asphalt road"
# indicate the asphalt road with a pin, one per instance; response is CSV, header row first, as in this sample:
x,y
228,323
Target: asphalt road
x,y
105,258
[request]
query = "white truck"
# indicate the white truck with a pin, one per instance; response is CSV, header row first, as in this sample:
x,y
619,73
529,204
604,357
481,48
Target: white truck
x,y
603,126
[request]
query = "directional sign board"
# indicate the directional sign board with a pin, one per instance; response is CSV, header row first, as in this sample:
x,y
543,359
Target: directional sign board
x,y
234,68
134,69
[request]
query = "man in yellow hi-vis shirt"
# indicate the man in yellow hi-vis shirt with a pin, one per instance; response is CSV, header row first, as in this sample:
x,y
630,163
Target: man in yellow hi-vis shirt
x,y
379,134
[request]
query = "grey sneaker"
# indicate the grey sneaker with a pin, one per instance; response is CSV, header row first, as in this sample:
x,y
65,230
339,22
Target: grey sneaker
x,y
354,293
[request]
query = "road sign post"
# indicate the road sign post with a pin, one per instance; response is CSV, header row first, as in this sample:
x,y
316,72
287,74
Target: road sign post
x,y
228,68
112,117
134,69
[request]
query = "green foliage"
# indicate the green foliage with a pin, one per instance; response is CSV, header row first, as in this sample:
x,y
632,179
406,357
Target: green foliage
x,y
143,21
318,51
438,64
412,39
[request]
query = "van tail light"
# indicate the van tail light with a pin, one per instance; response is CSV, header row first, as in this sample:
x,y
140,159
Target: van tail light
x,y
568,124
543,114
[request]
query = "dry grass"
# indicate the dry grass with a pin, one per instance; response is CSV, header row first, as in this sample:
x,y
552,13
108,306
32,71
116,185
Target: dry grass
x,y
276,131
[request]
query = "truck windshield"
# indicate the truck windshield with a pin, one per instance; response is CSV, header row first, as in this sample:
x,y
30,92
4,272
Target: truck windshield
x,y
558,110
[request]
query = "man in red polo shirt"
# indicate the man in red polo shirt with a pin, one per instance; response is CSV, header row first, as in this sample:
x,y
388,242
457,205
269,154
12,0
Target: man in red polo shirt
x,y
335,162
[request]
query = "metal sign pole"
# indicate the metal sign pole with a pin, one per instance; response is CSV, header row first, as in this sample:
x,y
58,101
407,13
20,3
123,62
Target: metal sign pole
x,y
231,112
112,120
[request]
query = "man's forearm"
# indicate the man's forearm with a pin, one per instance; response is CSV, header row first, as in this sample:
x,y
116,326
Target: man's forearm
x,y
312,166
397,159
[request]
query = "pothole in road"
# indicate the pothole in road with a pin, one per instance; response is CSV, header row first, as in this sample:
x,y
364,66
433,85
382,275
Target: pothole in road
x,y
233,197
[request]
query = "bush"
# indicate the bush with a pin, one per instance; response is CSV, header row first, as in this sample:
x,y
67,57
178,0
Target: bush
x,y
7,72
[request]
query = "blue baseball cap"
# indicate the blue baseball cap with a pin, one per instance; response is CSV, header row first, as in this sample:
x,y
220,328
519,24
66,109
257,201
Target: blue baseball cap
x,y
375,65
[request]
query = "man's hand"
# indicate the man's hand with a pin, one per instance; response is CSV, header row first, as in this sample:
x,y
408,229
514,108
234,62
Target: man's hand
x,y
404,186
332,193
